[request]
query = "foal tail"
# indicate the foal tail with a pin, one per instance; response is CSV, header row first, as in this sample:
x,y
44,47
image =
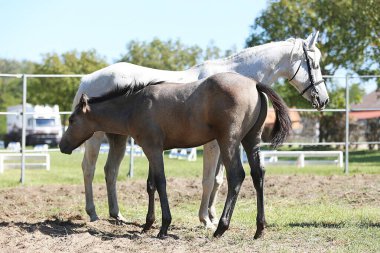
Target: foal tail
x,y
283,124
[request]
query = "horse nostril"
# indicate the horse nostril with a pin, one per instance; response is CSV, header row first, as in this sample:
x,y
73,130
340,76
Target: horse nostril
x,y
327,101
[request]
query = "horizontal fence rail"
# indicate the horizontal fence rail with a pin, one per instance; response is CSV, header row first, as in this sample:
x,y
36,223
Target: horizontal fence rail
x,y
345,110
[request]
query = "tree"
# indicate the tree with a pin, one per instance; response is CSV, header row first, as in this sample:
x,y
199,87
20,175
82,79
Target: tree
x,y
349,39
349,30
168,55
61,91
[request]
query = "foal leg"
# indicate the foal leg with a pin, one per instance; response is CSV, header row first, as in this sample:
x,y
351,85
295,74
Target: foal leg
x,y
156,164
235,177
111,169
210,160
251,146
151,189
90,157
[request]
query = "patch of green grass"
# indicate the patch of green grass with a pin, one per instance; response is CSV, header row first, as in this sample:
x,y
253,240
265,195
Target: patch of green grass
x,y
67,169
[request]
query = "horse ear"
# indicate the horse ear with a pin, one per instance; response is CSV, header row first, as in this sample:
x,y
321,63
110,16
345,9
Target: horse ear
x,y
83,103
312,40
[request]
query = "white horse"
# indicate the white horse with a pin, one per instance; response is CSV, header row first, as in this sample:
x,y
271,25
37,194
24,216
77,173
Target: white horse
x,y
294,59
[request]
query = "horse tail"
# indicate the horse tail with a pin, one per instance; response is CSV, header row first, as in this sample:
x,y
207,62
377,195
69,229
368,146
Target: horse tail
x,y
282,124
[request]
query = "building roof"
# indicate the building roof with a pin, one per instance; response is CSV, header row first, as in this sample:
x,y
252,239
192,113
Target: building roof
x,y
294,117
371,100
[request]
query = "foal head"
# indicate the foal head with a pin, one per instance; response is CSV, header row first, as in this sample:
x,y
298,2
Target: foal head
x,y
307,77
81,127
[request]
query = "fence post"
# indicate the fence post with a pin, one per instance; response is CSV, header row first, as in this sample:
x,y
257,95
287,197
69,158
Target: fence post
x,y
347,140
23,131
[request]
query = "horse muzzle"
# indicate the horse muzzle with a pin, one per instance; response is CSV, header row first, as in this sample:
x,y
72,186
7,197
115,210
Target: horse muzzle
x,y
65,149
319,103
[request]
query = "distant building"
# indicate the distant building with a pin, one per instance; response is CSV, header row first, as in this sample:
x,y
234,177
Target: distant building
x,y
371,100
367,123
297,125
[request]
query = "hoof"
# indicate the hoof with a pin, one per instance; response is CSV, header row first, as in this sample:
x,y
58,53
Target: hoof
x,y
147,226
259,234
208,224
94,218
119,217
218,234
162,236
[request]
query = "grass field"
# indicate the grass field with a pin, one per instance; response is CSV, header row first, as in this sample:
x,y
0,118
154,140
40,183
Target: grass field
x,y
313,209
67,169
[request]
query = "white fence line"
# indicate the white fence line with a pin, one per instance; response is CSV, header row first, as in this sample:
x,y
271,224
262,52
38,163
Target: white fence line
x,y
347,110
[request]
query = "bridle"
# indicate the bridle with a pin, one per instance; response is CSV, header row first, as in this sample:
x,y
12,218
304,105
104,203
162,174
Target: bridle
x,y
311,78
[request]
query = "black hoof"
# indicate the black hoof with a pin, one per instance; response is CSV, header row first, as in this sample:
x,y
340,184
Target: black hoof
x,y
147,227
218,233
259,234
162,236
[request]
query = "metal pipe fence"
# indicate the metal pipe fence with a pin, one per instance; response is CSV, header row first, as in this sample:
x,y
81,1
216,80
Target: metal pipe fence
x,y
345,110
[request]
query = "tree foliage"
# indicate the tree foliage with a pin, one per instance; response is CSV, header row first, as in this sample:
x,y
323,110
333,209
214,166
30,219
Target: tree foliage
x,y
349,30
168,55
349,36
61,91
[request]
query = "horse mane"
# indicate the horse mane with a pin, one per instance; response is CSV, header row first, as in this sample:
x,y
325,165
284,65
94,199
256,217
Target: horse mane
x,y
247,52
123,91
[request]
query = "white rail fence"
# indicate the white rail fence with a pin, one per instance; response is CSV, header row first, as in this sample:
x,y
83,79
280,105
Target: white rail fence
x,y
24,152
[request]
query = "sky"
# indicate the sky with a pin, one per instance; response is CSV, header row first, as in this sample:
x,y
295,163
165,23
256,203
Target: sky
x,y
32,28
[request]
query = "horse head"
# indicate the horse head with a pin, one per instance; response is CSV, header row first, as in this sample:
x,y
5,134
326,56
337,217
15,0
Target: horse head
x,y
307,77
80,128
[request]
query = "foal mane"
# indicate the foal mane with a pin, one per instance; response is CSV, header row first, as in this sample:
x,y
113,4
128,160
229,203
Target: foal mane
x,y
123,91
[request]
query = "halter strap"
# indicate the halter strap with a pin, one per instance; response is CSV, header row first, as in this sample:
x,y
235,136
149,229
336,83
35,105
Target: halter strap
x,y
312,83
296,71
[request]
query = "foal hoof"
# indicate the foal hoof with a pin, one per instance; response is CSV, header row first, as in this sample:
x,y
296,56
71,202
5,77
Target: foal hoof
x,y
162,236
259,234
218,233
94,218
147,226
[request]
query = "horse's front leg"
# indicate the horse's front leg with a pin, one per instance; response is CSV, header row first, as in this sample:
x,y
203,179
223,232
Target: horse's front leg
x,y
151,189
210,160
154,153
111,169
90,157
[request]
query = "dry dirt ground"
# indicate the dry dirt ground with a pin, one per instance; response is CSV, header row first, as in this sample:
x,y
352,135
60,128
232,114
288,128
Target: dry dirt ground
x,y
51,218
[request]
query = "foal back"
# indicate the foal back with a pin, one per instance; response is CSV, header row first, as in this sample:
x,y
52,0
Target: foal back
x,y
188,115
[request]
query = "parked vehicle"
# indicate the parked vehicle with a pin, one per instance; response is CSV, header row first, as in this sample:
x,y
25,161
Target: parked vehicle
x,y
43,125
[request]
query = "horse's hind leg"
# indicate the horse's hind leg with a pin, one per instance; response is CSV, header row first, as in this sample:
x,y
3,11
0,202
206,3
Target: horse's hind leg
x,y
210,161
218,180
251,146
151,189
235,177
111,169
90,157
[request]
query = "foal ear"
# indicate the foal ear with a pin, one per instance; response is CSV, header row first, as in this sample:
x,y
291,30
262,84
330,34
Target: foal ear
x,y
83,103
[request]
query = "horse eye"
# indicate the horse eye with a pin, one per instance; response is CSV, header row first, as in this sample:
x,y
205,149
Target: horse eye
x,y
71,121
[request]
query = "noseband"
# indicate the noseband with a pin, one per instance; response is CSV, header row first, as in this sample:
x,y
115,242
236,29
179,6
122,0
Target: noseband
x,y
311,78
